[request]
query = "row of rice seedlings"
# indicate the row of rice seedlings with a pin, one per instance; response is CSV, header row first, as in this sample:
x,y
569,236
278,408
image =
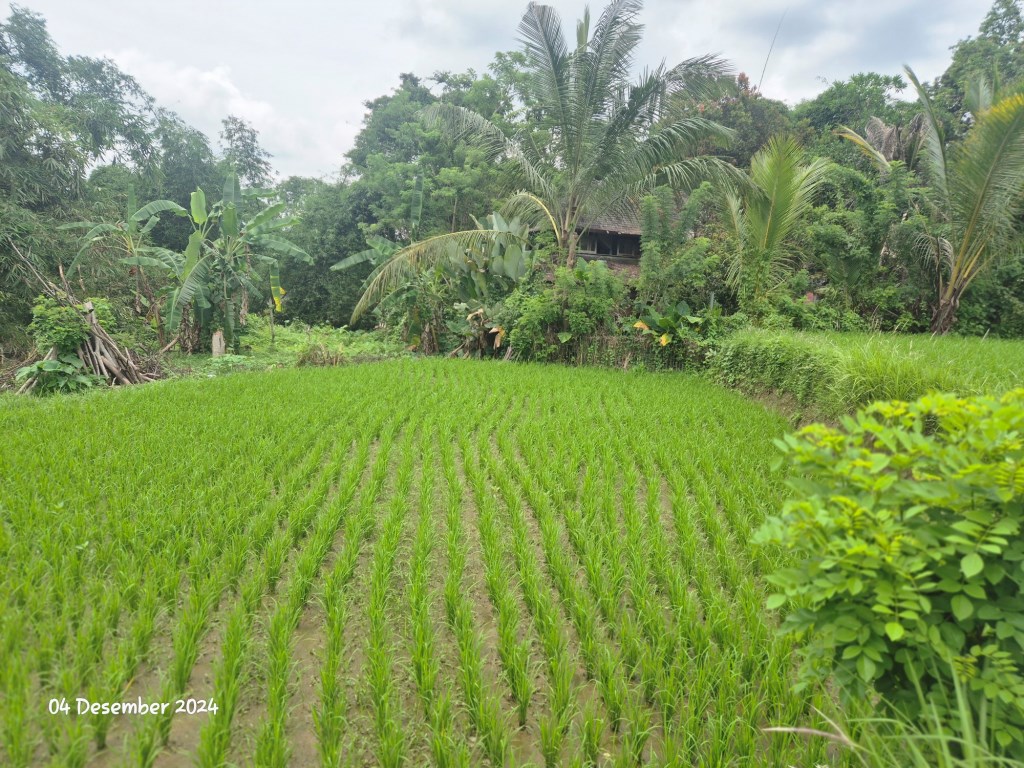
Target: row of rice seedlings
x,y
654,570
612,575
654,656
272,747
752,677
602,661
329,721
663,570
654,641
513,652
192,624
330,712
127,654
16,706
113,544
483,704
231,669
447,748
607,579
645,638
104,549
200,602
392,742
660,666
739,574
560,666
120,669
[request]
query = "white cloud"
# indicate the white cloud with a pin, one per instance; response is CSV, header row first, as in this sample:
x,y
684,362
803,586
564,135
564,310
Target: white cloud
x,y
204,97
301,71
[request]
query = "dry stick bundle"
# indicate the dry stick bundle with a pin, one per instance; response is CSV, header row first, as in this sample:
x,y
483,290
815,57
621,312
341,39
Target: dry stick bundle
x,y
103,357
99,351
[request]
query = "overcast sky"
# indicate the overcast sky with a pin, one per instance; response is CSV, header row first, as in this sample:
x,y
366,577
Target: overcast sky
x,y
300,70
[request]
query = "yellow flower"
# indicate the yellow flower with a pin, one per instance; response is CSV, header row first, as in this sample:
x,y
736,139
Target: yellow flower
x,y
664,339
641,325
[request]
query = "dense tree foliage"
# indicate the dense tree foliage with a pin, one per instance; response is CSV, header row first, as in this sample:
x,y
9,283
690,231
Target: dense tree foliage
x,y
80,140
601,140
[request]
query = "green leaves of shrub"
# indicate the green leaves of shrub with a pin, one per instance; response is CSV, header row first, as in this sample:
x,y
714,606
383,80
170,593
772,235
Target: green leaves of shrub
x,y
57,325
907,555
65,374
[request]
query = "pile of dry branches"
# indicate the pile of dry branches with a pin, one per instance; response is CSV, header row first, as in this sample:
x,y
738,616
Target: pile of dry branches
x,y
99,352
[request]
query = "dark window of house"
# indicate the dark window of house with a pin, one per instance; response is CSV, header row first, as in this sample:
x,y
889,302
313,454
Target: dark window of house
x,y
628,246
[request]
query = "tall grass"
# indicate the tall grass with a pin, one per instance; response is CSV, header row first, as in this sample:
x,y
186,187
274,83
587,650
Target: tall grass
x,y
835,372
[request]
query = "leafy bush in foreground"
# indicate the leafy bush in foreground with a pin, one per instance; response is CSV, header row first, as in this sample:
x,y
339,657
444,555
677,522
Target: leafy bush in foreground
x,y
908,560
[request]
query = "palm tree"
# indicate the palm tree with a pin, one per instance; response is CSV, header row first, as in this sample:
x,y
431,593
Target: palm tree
x,y
976,188
499,249
599,145
763,216
885,143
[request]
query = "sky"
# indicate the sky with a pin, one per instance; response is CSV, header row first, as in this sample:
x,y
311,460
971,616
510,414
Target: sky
x,y
300,70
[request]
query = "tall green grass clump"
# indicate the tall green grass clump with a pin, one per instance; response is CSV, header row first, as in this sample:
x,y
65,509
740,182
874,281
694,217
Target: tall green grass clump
x,y
831,374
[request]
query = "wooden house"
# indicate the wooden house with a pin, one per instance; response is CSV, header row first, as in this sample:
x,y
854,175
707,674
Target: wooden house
x,y
615,239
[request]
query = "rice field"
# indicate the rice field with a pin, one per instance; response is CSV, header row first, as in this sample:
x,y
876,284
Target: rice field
x,y
418,562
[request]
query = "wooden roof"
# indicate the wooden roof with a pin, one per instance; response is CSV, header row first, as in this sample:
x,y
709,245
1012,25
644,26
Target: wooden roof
x,y
616,225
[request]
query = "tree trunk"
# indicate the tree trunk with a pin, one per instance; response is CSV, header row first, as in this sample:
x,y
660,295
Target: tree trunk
x,y
217,344
570,259
944,316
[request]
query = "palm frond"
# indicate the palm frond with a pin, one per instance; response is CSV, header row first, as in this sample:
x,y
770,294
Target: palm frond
x,y
547,57
700,77
529,209
424,255
609,56
779,194
786,187
985,185
936,251
866,146
934,141
463,124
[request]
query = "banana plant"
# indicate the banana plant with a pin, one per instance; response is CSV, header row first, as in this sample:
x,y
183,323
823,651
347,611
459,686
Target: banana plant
x,y
129,241
215,273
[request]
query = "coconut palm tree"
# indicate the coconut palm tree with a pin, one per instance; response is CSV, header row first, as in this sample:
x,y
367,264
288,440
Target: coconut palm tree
x,y
976,188
601,142
598,147
762,218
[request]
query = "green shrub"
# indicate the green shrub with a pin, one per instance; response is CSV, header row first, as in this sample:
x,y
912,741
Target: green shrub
x,y
57,325
559,321
907,555
65,374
